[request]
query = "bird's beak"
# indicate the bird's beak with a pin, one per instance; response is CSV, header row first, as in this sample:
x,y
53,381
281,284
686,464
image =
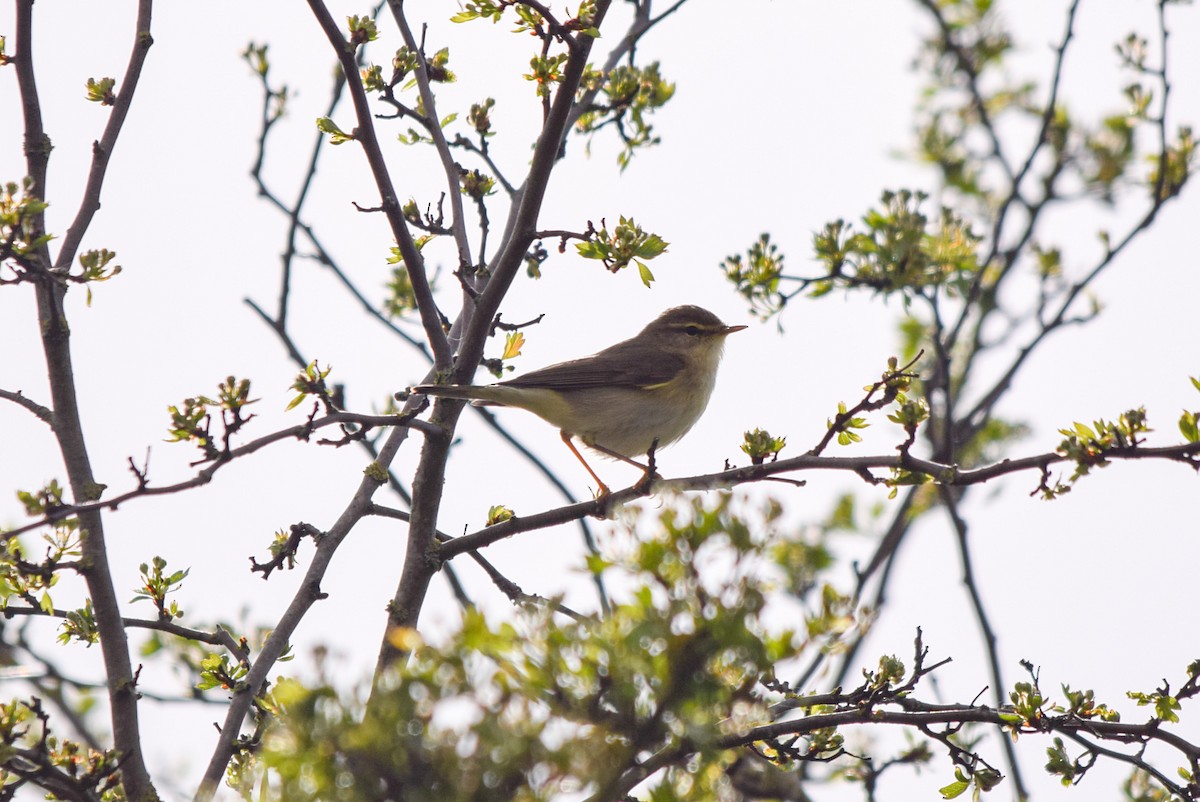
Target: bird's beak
x,y
731,329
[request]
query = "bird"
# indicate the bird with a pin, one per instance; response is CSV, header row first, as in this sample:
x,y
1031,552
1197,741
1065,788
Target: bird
x,y
640,394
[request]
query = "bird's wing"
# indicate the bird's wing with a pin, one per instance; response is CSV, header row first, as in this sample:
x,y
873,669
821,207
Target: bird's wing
x,y
639,366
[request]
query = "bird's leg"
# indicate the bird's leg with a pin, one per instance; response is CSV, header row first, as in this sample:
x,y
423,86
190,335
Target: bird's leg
x,y
608,452
566,438
651,474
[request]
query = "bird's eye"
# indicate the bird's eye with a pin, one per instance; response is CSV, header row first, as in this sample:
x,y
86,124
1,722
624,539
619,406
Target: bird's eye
x,y
692,331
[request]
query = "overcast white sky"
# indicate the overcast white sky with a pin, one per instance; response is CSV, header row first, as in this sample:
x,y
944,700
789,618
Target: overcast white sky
x,y
787,115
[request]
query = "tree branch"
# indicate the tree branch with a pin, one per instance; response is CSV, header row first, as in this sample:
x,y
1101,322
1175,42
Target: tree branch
x,y
203,477
221,637
102,151
68,429
950,475
985,627
365,135
43,413
449,166
523,217
306,595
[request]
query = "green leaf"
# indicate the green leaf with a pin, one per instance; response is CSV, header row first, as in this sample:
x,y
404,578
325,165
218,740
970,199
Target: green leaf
x,y
842,516
310,382
101,91
336,135
644,273
479,118
590,250
954,789
476,184
597,564
498,513
757,276
650,247
256,57
1188,426
1165,708
629,95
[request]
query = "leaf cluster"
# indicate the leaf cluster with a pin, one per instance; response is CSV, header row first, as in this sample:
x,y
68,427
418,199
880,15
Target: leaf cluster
x,y
630,95
31,755
627,243
546,705
1088,446
760,444
156,584
757,277
900,251
192,420
20,233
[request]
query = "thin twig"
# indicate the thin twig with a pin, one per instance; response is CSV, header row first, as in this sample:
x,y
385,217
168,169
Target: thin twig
x,y
308,593
364,134
970,580
449,166
43,413
102,150
204,476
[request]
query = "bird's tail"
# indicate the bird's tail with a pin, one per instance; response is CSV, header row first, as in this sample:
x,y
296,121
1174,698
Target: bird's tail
x,y
443,390
476,394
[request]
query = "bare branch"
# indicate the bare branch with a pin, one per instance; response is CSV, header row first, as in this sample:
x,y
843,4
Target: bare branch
x,y
43,413
365,135
970,580
449,166
523,217
102,150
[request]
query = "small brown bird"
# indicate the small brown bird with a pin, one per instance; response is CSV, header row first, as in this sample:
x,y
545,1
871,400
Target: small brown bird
x,y
623,400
